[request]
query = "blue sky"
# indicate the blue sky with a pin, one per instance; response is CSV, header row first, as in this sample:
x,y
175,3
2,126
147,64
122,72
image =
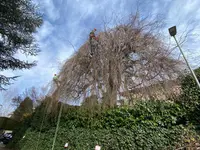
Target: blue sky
x,y
71,20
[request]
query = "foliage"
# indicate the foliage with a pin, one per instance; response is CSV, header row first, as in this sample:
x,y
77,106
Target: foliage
x,y
42,117
190,97
8,123
19,19
150,113
148,125
16,101
23,110
113,139
19,132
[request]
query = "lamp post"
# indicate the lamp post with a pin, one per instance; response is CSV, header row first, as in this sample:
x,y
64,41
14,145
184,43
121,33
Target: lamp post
x,y
172,32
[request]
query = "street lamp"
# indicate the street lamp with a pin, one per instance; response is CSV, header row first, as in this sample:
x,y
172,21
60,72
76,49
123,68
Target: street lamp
x,y
172,32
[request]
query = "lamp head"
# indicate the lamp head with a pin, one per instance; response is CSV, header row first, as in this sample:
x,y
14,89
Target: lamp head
x,y
172,31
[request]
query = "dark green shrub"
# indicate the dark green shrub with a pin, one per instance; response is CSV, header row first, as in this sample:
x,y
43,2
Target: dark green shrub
x,y
148,125
190,97
112,139
19,132
149,113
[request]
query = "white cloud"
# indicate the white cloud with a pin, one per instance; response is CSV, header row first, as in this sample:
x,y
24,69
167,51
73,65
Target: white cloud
x,y
48,8
45,30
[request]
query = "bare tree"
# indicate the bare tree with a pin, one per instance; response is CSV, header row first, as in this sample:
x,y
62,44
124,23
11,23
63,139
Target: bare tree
x,y
36,95
129,56
32,93
17,100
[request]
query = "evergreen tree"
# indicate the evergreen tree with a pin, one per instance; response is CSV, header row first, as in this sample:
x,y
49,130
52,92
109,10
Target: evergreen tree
x,y
19,19
25,108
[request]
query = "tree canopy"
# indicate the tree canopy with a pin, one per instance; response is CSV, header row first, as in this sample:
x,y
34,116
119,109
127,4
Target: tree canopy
x,y
126,57
23,110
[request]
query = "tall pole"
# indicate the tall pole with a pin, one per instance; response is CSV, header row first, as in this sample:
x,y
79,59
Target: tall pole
x,y
57,126
197,81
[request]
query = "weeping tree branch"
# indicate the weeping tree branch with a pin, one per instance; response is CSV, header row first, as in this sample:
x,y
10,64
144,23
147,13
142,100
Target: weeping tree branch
x,y
126,57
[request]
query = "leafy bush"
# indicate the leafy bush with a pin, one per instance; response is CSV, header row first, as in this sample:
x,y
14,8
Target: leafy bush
x,y
19,132
113,139
149,113
148,125
190,97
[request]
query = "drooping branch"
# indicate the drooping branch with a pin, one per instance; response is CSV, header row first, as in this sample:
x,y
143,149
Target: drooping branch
x,y
127,57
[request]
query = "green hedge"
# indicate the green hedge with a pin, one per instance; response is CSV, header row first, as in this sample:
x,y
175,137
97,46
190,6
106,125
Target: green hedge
x,y
8,123
148,125
113,139
189,99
